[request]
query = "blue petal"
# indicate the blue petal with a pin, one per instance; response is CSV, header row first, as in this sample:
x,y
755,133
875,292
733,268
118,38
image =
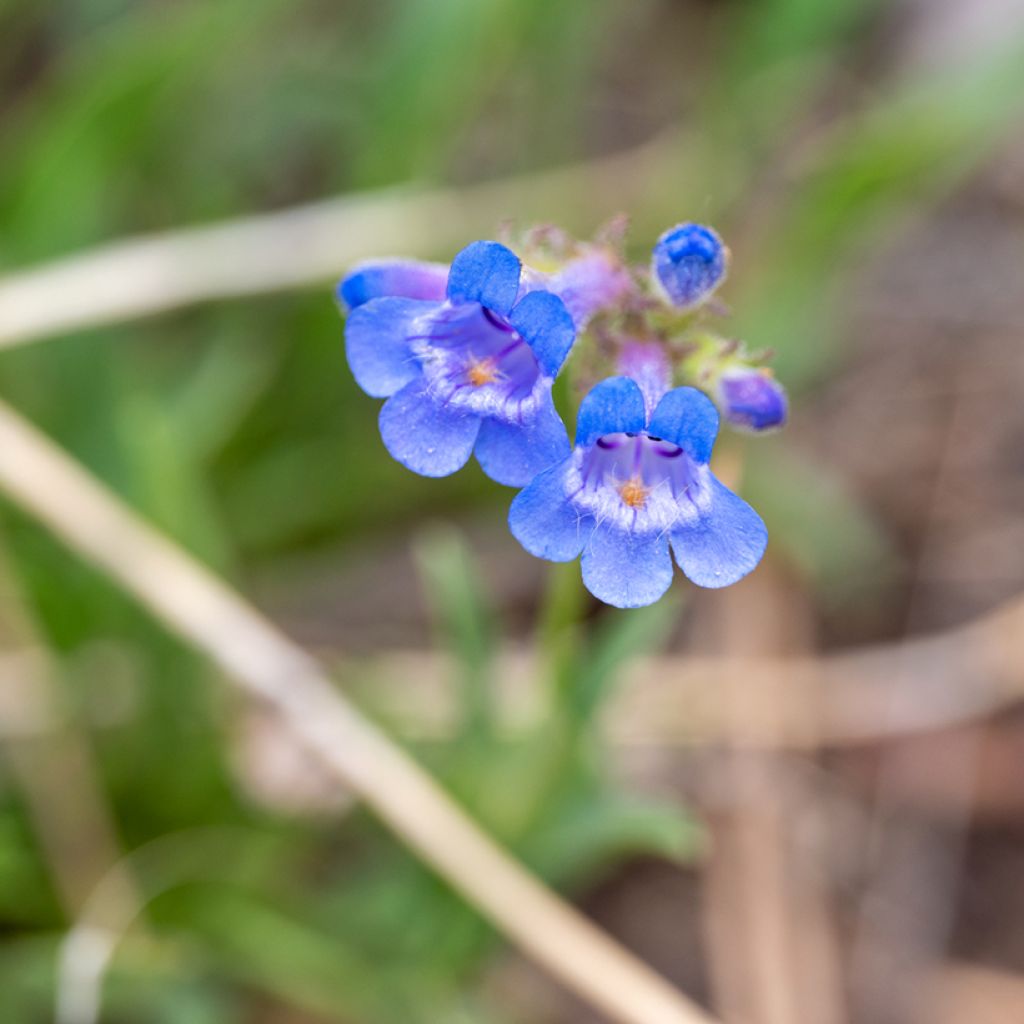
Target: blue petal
x,y
626,570
545,522
513,454
377,347
424,435
725,545
543,321
615,406
407,279
485,272
688,418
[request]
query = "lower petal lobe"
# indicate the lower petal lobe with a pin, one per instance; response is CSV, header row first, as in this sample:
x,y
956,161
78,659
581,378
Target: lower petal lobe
x,y
513,454
544,521
377,346
626,570
726,543
423,435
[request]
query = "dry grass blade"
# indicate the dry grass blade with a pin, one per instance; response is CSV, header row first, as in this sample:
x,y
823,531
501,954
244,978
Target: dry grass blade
x,y
192,602
312,243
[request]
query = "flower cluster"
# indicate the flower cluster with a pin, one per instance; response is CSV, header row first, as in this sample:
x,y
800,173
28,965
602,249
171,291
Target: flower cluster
x,y
466,356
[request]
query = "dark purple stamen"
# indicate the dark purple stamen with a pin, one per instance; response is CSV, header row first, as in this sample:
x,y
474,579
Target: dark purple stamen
x,y
511,347
497,321
625,462
476,348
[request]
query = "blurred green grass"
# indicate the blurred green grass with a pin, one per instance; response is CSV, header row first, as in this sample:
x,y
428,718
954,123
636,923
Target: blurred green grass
x,y
237,429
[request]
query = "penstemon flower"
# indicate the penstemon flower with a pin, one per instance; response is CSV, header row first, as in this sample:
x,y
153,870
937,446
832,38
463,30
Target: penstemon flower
x,y
466,357
469,374
634,485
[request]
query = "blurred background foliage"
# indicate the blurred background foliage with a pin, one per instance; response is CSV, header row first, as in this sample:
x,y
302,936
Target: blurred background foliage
x,y
237,429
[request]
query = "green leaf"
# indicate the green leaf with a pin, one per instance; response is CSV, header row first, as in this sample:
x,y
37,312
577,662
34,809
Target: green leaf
x,y
465,624
621,636
586,837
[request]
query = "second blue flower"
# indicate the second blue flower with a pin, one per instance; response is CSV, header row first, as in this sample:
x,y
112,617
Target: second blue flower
x,y
636,485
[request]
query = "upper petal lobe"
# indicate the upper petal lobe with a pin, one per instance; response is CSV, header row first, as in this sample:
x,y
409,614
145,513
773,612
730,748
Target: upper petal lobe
x,y
615,406
546,326
485,272
688,418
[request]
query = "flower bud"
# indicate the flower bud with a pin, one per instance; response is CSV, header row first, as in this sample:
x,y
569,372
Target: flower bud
x,y
646,363
591,280
751,398
689,263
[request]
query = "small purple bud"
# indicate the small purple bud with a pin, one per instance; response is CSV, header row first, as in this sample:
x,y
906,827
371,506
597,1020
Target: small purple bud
x,y
752,399
592,280
647,363
689,262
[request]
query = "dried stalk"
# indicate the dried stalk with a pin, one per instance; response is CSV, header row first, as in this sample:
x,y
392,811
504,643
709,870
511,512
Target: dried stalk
x,y
316,242
797,702
52,763
206,613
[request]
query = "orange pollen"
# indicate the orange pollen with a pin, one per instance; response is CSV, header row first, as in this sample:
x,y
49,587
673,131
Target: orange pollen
x,y
482,372
633,493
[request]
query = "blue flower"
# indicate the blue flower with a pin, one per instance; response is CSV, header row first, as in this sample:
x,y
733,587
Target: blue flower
x,y
469,374
634,486
689,263
751,398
